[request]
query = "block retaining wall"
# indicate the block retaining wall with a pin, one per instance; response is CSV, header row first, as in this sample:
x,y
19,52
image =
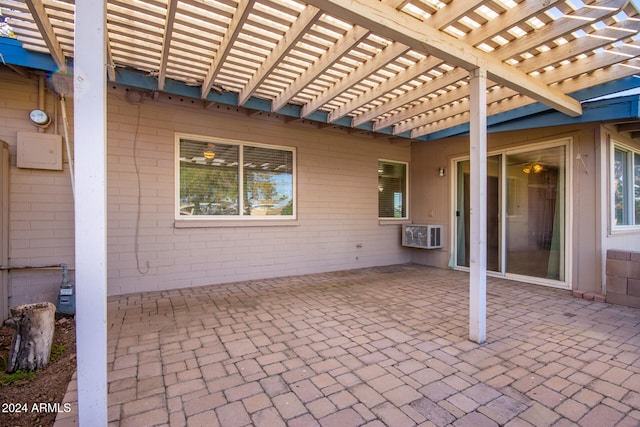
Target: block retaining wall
x,y
623,278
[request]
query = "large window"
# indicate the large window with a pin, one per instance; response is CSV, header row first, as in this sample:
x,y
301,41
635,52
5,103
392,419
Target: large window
x,y
626,187
392,189
232,179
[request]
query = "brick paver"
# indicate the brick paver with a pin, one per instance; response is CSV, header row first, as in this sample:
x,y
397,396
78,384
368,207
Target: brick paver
x,y
383,346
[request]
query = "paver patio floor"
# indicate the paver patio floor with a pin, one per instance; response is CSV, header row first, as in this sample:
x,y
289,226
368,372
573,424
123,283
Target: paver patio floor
x,y
377,346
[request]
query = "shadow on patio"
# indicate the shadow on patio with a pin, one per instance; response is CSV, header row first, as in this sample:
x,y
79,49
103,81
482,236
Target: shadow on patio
x,y
376,346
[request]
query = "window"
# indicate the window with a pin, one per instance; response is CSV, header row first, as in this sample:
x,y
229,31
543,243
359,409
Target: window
x,y
230,179
626,187
392,189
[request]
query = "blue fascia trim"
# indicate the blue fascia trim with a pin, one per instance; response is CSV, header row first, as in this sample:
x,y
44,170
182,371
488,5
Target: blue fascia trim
x,y
530,117
14,54
600,111
173,87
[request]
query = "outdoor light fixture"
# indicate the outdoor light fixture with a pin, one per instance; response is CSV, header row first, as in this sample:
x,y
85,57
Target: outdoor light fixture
x,y
442,171
208,153
534,167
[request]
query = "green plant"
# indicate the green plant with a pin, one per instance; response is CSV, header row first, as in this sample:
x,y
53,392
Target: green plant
x,y
57,351
18,375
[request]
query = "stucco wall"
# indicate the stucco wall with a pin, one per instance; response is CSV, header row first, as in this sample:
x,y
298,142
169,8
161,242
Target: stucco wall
x,y
337,205
432,194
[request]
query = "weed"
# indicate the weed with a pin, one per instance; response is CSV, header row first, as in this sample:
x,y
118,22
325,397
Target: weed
x,y
18,375
57,351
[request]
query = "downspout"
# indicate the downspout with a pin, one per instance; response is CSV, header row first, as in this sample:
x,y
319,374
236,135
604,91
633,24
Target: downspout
x,y
41,98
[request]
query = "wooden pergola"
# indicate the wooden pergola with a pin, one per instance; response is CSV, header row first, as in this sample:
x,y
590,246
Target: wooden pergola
x,y
396,68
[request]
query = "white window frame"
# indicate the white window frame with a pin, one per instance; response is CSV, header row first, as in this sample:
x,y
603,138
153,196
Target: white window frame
x,y
406,190
631,152
232,220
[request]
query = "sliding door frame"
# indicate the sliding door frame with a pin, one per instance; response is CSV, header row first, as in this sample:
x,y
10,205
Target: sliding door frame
x,y
567,142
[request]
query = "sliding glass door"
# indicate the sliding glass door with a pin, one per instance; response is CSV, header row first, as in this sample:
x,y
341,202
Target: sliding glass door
x,y
536,213
526,210
493,213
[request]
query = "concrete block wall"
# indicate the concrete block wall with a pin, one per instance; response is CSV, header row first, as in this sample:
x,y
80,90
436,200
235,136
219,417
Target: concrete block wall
x,y
337,199
337,226
623,278
41,219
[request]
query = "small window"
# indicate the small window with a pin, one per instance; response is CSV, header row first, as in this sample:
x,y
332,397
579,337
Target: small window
x,y
227,179
392,189
626,187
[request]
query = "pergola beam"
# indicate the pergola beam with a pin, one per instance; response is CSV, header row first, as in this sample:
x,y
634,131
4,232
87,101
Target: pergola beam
x,y
599,60
580,19
401,78
233,30
425,89
388,22
508,19
300,26
166,42
574,48
351,39
454,10
599,77
46,30
387,55
335,52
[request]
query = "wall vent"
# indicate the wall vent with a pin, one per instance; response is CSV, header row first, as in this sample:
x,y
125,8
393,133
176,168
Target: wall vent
x,y
422,236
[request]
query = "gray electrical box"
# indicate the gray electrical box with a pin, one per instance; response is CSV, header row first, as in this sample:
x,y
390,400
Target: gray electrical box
x,y
39,151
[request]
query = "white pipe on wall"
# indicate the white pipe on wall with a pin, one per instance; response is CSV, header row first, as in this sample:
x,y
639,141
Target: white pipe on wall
x,y
65,126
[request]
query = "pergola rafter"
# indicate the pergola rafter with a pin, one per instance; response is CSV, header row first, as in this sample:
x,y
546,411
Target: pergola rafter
x,y
440,20
575,48
296,32
166,42
598,77
380,66
39,14
393,24
225,46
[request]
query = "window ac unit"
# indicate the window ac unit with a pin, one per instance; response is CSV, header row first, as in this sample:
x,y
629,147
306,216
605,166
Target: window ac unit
x,y
422,236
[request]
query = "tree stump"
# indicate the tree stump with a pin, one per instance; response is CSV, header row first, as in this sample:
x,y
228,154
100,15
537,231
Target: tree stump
x,y
31,345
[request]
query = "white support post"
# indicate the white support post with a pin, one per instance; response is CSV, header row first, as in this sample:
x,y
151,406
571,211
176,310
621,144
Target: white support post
x,y
90,210
478,202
